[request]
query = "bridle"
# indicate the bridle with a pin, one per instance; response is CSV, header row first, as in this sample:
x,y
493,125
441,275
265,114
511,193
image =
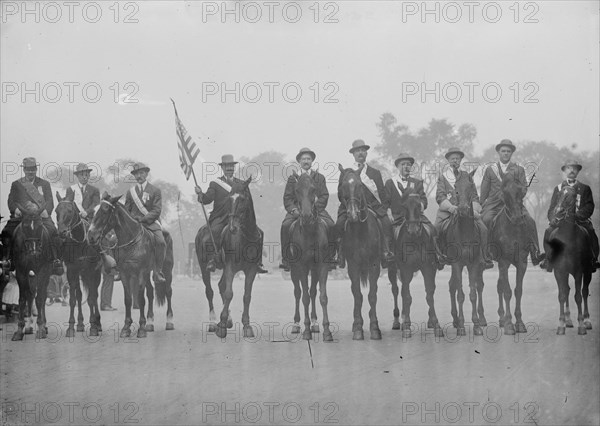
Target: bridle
x,y
105,231
80,221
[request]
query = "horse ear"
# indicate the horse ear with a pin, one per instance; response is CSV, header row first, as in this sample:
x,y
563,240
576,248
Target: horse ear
x,y
114,200
472,173
58,197
340,167
247,181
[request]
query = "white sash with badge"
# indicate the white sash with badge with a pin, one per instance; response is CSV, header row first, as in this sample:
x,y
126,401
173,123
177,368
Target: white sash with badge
x,y
78,197
369,183
396,179
223,185
139,203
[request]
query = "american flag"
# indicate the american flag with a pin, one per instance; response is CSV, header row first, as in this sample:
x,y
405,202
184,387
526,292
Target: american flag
x,y
188,151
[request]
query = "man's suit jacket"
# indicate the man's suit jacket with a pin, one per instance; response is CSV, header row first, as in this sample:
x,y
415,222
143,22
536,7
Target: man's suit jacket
x,y
394,197
378,206
491,186
19,195
91,198
153,204
219,195
289,195
586,200
445,190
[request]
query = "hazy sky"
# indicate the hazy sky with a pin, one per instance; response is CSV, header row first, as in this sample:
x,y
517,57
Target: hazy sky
x,y
370,57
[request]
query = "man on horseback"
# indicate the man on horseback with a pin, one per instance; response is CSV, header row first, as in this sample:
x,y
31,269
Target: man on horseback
x,y
305,157
584,210
218,192
445,196
84,195
491,194
376,200
144,203
33,193
396,186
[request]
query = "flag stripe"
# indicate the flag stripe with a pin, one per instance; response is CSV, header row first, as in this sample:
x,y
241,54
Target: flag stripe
x,y
188,151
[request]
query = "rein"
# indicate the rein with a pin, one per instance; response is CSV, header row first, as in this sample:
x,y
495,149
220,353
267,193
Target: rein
x,y
79,222
116,245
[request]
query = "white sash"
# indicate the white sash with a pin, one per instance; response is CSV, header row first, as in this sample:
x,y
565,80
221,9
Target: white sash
x,y
397,181
139,203
78,197
496,171
369,183
223,185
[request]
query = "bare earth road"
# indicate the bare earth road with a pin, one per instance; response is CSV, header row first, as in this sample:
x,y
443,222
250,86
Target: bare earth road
x,y
190,376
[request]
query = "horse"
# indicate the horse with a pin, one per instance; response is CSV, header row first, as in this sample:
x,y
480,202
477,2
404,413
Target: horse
x,y
463,248
33,266
571,256
361,243
240,249
415,251
509,246
134,253
82,261
309,248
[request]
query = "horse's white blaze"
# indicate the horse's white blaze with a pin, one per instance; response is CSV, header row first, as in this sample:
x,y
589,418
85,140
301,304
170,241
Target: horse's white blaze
x,y
351,180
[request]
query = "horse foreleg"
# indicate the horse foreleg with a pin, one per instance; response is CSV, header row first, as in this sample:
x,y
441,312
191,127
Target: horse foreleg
x,y
460,297
568,321
72,302
480,311
314,281
587,277
306,334
519,325
473,270
79,299
226,289
393,276
374,323
40,301
143,278
429,272
209,293
405,278
452,287
297,296
581,330
169,293
509,328
323,271
562,281
150,295
357,325
502,281
92,301
250,274
222,287
23,295
126,278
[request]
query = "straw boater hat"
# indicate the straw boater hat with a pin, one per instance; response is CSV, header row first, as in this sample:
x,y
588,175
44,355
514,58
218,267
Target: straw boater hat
x,y
306,151
455,151
80,168
29,163
572,163
227,159
138,167
404,156
359,143
506,142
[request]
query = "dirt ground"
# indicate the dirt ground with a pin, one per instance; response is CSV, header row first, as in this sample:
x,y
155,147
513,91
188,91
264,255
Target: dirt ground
x,y
190,376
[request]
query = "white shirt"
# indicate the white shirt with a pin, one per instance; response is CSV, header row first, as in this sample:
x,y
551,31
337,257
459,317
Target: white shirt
x,y
82,187
504,166
142,186
356,165
403,181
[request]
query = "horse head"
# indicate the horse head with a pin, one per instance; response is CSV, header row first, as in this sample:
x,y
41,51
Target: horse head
x,y
306,194
67,215
414,209
104,218
241,204
567,203
462,190
352,195
513,193
32,227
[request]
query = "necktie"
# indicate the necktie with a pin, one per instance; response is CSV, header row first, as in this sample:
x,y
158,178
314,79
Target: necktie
x,y
140,191
82,189
455,171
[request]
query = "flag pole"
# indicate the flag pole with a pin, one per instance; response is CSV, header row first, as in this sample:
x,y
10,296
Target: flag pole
x,y
212,239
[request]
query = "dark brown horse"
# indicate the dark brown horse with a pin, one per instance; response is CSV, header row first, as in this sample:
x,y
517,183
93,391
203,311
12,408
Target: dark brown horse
x,y
82,261
361,242
33,265
415,251
309,250
571,255
134,254
463,249
510,246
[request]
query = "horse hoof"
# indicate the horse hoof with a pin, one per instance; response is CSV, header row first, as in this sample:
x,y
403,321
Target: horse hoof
x,y
150,328
28,330
141,333
248,332
70,332
509,329
460,331
569,324
376,334
521,327
430,324
477,331
358,335
221,332
315,328
80,328
94,332
171,326
588,324
41,334
405,326
100,328
483,323
396,325
501,323
17,336
438,332
581,330
327,336
229,323
560,331
307,335
406,333
125,333
211,328
295,329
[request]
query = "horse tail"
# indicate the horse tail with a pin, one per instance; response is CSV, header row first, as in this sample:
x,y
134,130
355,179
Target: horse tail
x,y
167,270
